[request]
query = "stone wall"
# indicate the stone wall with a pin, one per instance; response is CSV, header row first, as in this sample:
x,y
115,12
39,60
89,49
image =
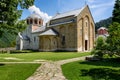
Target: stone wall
x,y
69,31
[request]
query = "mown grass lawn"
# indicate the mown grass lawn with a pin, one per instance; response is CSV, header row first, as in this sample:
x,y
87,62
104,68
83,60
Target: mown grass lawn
x,y
99,70
17,71
54,56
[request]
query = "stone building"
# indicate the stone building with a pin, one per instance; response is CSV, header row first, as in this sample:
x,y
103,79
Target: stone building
x,y
71,31
102,32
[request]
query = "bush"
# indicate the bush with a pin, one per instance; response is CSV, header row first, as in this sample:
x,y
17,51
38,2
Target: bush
x,y
100,47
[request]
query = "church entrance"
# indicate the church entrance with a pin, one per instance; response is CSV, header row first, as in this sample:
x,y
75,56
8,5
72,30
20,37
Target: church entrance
x,y
86,43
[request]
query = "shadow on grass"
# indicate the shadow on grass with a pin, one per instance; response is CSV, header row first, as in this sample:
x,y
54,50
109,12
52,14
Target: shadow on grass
x,y
101,73
2,64
112,62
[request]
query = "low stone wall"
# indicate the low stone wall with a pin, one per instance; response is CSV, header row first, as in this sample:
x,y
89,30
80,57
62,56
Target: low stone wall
x,y
7,49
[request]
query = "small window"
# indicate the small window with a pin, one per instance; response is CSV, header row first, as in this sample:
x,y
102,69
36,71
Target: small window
x,y
63,40
34,39
86,24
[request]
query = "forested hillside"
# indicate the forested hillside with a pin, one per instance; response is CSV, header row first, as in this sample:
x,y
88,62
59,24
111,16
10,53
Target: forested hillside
x,y
104,23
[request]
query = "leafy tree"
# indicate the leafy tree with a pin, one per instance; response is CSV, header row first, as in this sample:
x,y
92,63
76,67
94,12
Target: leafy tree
x,y
100,47
9,14
21,25
116,12
114,38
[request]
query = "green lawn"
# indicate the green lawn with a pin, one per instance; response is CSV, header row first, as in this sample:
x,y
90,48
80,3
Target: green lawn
x,y
99,70
54,56
17,71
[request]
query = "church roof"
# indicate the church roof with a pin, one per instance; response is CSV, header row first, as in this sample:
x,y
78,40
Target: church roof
x,y
102,28
24,37
39,29
48,32
69,13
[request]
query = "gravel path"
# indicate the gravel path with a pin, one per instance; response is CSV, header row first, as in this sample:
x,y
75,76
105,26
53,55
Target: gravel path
x,y
52,70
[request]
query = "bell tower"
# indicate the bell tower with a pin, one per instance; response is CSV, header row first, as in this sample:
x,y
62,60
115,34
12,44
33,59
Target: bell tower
x,y
35,19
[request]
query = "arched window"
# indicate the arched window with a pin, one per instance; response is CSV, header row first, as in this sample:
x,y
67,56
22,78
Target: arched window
x,y
35,21
86,23
27,21
31,21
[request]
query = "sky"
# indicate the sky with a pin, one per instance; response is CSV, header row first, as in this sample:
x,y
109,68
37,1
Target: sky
x,y
100,9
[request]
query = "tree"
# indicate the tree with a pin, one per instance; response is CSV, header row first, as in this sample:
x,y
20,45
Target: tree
x,y
114,38
9,14
21,25
116,12
100,47
114,31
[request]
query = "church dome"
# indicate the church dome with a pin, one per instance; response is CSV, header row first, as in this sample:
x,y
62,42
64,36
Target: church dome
x,y
34,15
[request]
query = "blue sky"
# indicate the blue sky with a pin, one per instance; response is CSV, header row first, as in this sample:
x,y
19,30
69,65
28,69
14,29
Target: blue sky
x,y
100,9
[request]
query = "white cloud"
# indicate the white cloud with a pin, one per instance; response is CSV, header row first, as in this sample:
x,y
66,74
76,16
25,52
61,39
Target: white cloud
x,y
44,15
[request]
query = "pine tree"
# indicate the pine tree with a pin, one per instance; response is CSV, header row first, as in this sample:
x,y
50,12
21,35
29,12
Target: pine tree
x,y
114,31
116,12
114,38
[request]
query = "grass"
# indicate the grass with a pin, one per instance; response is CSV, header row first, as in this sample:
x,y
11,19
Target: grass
x,y
17,71
54,56
99,70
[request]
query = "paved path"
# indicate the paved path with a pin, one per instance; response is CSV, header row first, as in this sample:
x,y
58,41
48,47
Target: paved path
x,y
52,70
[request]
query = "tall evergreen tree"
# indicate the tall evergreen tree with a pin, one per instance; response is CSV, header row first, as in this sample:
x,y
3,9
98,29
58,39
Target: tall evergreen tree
x,y
114,31
116,12
9,13
114,38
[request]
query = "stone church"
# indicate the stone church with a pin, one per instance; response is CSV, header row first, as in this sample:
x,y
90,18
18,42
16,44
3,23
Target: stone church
x,y
69,31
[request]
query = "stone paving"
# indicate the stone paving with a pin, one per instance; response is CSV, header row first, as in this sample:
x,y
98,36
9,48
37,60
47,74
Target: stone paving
x,y
48,71
52,70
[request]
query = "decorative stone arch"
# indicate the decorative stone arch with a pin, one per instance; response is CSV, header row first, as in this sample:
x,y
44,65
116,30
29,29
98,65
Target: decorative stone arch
x,y
62,32
54,43
86,35
35,21
46,44
91,36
